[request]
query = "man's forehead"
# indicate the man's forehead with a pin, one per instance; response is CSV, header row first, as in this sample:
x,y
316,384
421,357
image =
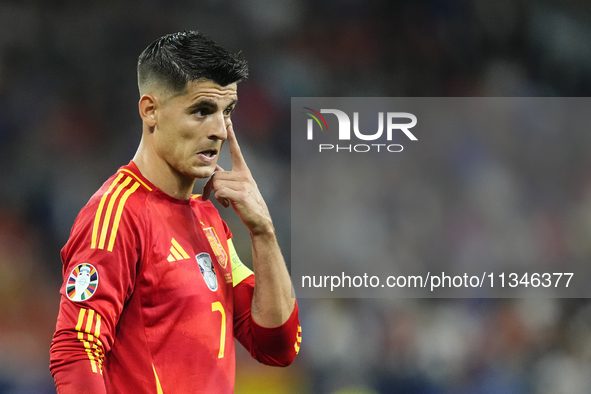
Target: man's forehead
x,y
205,89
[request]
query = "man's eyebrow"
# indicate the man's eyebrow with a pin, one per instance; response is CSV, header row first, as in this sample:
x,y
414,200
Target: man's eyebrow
x,y
206,103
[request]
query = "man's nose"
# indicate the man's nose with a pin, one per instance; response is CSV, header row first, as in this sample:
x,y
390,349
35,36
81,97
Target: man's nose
x,y
218,128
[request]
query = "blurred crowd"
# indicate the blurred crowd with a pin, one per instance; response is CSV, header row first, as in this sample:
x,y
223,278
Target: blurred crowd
x,y
68,120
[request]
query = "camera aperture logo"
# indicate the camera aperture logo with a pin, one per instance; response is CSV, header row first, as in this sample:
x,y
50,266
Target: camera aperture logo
x,y
344,133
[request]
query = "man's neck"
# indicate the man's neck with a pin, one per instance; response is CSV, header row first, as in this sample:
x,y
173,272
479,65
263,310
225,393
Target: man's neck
x,y
162,175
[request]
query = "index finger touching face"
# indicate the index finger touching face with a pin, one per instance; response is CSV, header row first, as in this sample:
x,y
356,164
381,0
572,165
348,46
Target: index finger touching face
x,y
235,152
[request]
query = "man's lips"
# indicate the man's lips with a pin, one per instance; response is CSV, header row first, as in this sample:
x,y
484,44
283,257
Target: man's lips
x,y
208,155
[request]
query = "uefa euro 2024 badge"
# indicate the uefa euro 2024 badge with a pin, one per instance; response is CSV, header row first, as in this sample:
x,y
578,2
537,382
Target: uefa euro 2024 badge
x,y
82,283
207,270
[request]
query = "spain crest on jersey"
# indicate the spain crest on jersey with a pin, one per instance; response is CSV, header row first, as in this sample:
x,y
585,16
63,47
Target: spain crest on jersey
x,y
216,246
207,270
82,283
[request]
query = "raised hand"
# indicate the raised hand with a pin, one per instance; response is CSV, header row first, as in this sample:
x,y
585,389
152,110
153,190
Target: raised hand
x,y
238,188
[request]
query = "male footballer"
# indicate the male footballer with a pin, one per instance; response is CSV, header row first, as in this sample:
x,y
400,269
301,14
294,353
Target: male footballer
x,y
154,292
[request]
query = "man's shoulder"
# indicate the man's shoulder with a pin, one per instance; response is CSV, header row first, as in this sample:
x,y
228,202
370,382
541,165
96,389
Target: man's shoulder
x,y
113,210
122,192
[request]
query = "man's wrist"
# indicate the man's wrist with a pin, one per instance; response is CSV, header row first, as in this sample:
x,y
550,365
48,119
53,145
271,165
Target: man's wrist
x,y
264,232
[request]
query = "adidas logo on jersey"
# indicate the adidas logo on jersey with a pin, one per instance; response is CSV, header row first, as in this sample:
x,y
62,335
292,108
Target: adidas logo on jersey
x,y
176,252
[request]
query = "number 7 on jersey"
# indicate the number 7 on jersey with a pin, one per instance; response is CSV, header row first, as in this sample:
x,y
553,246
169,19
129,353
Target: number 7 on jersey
x,y
217,306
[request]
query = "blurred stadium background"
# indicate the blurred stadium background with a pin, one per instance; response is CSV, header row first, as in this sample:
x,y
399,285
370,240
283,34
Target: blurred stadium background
x,y
68,119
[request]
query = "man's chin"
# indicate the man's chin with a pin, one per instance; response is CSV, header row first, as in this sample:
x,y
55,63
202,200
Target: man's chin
x,y
203,172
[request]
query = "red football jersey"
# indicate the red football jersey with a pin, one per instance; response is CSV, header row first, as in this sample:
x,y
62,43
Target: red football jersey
x,y
153,296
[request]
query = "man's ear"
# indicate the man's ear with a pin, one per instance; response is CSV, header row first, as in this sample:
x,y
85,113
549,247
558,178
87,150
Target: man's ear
x,y
147,108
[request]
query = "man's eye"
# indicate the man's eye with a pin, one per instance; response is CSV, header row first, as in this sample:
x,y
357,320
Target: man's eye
x,y
228,111
201,113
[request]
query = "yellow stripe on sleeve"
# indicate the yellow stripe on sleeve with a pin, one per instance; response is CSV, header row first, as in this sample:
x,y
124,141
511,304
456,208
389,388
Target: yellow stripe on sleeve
x,y
94,351
298,342
97,327
137,179
90,356
80,319
99,211
118,214
107,218
239,270
89,321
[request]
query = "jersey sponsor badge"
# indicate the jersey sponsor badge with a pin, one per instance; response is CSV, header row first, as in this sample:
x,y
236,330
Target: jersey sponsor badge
x,y
82,283
207,270
216,246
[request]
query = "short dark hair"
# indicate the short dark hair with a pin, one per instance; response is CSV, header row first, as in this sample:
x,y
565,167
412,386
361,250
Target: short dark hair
x,y
176,59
